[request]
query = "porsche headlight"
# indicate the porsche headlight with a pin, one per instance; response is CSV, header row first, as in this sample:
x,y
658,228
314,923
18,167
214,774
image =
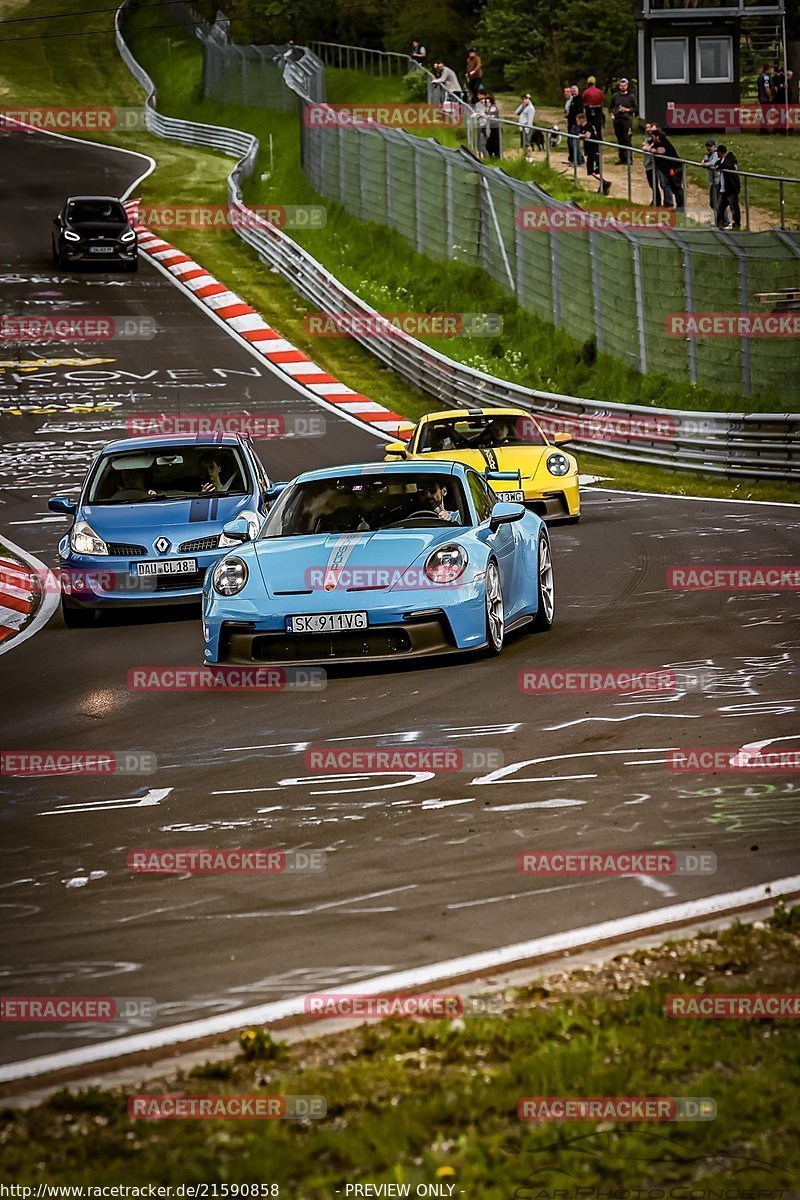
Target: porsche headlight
x,y
128,236
71,237
84,540
446,564
558,464
230,576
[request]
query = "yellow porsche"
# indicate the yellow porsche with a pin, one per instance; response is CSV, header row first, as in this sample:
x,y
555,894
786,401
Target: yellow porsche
x,y
508,446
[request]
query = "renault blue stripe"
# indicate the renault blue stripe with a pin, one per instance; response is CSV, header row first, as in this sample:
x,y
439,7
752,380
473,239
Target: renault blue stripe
x,y
199,509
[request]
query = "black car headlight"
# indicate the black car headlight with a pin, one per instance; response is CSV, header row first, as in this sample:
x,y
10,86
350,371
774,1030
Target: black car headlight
x,y
128,236
71,237
558,464
230,576
447,564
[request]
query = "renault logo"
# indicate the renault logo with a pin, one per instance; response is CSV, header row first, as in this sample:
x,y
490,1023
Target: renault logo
x,y
162,545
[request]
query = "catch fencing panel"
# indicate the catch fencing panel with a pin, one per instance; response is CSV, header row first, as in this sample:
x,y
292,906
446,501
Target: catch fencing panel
x,y
616,286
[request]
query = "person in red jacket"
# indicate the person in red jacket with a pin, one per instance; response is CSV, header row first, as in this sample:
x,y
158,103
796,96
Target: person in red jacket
x,y
593,106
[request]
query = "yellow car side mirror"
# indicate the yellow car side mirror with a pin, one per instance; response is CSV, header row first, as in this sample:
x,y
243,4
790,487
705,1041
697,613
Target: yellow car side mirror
x,y
561,438
395,449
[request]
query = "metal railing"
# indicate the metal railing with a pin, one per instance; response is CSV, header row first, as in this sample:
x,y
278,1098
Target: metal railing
x,y
762,445
362,58
552,139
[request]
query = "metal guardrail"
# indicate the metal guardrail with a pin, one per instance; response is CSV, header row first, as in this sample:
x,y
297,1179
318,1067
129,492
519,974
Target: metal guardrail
x,y
760,445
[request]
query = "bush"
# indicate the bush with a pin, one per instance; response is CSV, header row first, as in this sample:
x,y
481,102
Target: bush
x,y
416,84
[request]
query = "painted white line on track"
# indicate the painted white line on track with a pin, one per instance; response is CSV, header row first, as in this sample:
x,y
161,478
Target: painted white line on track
x,y
707,499
50,596
481,963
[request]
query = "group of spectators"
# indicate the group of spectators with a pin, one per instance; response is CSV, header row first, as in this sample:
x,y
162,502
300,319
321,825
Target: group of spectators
x,y
585,116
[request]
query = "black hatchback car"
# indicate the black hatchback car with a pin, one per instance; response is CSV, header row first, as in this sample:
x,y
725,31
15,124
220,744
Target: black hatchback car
x,y
93,229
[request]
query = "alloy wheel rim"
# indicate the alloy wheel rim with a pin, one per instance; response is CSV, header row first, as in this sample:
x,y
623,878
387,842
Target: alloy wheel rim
x,y
494,605
546,584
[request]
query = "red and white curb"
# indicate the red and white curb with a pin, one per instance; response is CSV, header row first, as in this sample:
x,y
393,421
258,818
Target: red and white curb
x,y
251,326
18,596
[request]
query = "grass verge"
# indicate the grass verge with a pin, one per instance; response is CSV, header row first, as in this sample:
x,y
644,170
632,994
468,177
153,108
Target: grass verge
x,y
414,1102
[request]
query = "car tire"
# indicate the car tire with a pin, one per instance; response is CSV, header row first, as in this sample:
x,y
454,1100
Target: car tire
x,y
75,616
55,255
545,590
572,520
133,267
495,629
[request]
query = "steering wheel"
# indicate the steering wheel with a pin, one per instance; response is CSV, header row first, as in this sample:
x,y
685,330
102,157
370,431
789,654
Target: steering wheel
x,y
130,493
420,512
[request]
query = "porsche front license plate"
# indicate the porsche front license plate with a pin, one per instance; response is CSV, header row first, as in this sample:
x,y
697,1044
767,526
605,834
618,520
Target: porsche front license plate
x,y
326,622
510,497
167,566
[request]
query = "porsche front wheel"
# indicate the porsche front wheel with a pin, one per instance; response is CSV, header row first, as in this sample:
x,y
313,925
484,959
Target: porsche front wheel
x,y
545,586
495,625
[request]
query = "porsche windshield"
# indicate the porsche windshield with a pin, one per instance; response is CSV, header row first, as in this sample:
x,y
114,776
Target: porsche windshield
x,y
360,503
79,211
477,431
167,473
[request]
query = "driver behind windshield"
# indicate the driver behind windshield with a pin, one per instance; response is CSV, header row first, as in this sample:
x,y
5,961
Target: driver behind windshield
x,y
498,433
133,480
434,497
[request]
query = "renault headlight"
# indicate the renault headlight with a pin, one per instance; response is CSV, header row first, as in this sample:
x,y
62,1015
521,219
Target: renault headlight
x,y
558,464
230,576
84,540
446,564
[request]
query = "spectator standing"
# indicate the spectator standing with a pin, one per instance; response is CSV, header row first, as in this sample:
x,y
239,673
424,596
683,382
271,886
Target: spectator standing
x,y
418,53
481,118
574,146
526,115
649,163
623,109
447,79
730,185
780,97
474,73
587,137
709,161
493,127
593,107
668,165
765,97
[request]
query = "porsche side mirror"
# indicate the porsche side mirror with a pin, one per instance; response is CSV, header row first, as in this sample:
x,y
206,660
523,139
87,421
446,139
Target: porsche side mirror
x,y
561,438
396,449
237,530
504,513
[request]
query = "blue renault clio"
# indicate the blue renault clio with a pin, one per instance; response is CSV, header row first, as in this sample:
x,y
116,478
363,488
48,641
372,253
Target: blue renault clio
x,y
148,522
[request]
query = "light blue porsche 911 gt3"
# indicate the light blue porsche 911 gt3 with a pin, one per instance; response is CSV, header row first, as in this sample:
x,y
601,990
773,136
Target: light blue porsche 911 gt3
x,y
379,561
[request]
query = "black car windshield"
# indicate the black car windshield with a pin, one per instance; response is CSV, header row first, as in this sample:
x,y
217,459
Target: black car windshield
x,y
168,473
479,430
96,210
364,503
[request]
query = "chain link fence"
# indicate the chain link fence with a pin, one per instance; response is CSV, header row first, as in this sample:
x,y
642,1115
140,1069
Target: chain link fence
x,y
625,291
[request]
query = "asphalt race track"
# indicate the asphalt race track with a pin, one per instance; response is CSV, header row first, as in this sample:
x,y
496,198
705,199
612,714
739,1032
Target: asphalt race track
x,y
420,867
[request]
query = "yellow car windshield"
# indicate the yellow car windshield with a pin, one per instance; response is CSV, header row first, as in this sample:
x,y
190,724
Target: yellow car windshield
x,y
477,431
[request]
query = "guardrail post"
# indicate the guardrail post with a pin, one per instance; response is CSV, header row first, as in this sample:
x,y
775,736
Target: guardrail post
x,y
596,291
555,275
688,289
